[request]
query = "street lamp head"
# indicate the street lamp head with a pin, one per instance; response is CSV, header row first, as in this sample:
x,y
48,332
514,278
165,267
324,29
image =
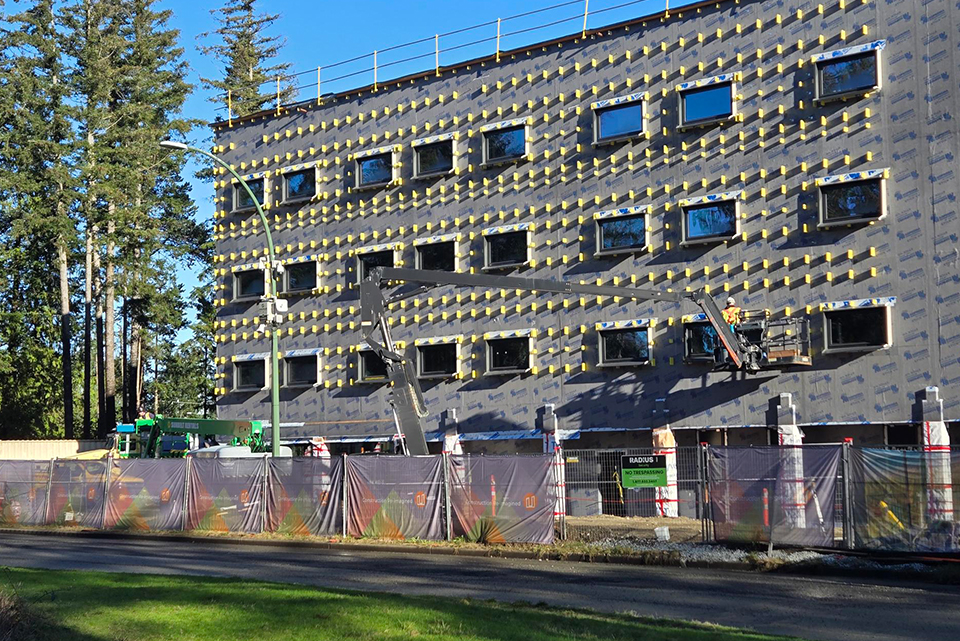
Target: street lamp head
x,y
172,144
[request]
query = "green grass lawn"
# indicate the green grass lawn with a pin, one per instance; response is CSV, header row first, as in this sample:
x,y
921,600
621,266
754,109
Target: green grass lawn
x,y
97,606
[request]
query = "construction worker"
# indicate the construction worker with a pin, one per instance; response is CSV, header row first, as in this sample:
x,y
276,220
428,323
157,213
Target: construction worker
x,y
731,314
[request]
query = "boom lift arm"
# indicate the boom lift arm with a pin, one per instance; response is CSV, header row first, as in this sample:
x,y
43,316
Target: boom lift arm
x,y
406,397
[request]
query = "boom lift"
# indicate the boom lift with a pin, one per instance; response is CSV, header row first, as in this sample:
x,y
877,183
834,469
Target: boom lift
x,y
151,432
406,397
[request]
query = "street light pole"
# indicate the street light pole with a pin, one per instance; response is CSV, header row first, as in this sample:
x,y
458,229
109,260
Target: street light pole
x,y
271,300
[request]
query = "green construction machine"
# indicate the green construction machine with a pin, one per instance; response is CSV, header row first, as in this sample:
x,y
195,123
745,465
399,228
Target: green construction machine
x,y
145,438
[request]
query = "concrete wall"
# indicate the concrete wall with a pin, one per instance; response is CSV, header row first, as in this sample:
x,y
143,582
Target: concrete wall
x,y
909,127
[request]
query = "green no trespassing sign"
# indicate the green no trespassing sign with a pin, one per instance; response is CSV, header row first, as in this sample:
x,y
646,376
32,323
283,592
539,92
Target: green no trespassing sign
x,y
643,471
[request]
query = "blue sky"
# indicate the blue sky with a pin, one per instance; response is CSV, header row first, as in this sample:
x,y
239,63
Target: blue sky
x,y
323,33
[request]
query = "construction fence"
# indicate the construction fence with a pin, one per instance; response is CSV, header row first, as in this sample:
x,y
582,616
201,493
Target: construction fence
x,y
479,498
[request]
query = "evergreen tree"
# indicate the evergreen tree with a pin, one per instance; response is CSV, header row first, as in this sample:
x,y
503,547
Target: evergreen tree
x,y
35,183
247,55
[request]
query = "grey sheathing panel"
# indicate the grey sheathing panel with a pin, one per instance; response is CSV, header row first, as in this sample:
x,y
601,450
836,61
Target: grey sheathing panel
x,y
910,129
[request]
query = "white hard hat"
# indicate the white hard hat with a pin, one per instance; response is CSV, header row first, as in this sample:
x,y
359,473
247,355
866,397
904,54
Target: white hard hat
x,y
731,301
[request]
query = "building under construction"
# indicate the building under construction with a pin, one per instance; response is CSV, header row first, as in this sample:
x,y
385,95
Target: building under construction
x,y
798,157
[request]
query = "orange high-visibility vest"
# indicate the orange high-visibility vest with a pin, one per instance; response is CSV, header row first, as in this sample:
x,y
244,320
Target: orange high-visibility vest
x,y
731,315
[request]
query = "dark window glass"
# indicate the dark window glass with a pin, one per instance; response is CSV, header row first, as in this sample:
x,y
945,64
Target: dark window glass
x,y
621,120
711,220
857,327
509,354
301,370
505,144
848,74
701,341
249,284
375,259
854,200
438,257
376,169
506,249
434,158
713,102
301,276
438,360
250,374
627,232
300,184
241,198
625,346
372,367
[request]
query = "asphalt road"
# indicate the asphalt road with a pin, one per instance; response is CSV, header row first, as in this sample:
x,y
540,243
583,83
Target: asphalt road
x,y
813,608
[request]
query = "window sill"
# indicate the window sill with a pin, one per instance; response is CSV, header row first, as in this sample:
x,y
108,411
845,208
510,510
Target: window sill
x,y
294,201
506,372
370,186
857,348
301,385
615,139
847,223
245,210
687,126
624,364
712,240
250,390
299,292
488,164
433,174
493,268
616,252
373,381
700,360
248,299
855,93
437,377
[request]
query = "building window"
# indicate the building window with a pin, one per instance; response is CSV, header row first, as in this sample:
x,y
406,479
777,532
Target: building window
x,y
506,249
621,233
372,367
301,371
508,355
242,200
299,185
706,105
504,145
433,159
625,346
708,222
369,260
438,361
301,276
618,121
858,329
852,201
700,342
848,76
248,284
375,170
440,257
250,375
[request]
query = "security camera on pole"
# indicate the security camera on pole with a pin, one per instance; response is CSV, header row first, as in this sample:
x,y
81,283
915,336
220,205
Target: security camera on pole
x,y
273,307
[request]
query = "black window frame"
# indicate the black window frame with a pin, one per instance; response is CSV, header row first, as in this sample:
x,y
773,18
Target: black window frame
x,y
237,296
418,249
704,240
362,269
288,381
598,113
358,162
686,123
501,160
238,190
689,357
298,265
238,365
622,249
363,375
847,93
419,173
623,362
491,370
487,238
823,190
885,321
449,346
312,172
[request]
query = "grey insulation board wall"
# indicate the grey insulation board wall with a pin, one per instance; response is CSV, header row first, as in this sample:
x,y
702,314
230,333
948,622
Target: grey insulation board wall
x,y
911,129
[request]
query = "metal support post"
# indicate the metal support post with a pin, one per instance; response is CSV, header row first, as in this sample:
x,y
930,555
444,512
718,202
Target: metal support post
x,y
263,495
849,540
47,519
446,495
343,498
188,467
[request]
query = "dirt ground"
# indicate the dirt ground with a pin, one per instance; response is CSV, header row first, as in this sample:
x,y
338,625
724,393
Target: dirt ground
x,y
590,529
